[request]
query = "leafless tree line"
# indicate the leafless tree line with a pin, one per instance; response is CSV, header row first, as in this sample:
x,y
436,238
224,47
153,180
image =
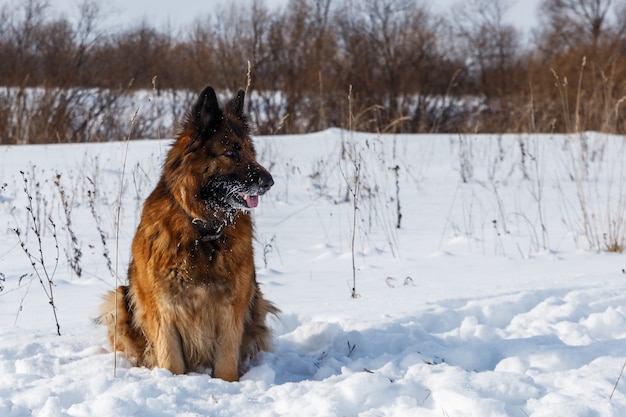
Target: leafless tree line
x,y
400,66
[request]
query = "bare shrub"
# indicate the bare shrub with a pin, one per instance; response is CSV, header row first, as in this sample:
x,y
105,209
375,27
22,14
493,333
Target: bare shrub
x,y
44,272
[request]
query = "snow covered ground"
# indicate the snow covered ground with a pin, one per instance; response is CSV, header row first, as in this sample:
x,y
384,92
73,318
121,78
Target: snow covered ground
x,y
496,297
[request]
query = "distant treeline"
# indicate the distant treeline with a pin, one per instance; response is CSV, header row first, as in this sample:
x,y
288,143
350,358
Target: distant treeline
x,y
374,65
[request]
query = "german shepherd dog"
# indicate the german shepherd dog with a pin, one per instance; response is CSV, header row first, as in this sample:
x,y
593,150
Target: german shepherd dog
x,y
192,301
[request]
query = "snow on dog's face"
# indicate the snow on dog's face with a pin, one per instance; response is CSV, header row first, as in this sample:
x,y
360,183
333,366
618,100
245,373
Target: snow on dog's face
x,y
231,177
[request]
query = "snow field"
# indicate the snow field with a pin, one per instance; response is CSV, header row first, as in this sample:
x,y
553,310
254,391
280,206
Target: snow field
x,y
496,297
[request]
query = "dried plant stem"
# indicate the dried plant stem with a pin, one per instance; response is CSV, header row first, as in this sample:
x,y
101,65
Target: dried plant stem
x,y
76,254
350,108
92,195
562,87
396,171
354,190
248,78
117,240
578,94
355,200
617,381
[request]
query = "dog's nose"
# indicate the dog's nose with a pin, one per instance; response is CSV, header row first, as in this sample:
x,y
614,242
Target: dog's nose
x,y
265,181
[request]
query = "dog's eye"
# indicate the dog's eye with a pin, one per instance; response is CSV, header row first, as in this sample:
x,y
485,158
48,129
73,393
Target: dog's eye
x,y
230,154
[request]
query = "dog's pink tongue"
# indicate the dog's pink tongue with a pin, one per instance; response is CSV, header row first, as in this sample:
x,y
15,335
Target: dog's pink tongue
x,y
252,200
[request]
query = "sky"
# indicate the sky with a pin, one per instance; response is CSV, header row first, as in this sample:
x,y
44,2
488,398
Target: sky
x,y
164,13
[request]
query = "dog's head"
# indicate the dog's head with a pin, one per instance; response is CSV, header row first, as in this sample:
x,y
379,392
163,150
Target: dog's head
x,y
220,154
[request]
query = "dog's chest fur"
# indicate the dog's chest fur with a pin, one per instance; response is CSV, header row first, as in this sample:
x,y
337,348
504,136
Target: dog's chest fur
x,y
207,285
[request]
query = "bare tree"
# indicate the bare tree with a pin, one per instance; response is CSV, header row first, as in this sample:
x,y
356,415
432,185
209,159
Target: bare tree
x,y
301,46
568,24
391,51
490,45
24,33
87,35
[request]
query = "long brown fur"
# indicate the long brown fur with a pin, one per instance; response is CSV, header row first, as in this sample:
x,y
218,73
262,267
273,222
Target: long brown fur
x,y
193,301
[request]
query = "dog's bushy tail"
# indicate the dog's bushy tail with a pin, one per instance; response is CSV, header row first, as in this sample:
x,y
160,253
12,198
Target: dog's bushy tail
x,y
116,314
257,337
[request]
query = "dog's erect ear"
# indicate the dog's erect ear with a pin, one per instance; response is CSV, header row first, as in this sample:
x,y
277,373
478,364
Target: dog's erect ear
x,y
235,106
206,112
